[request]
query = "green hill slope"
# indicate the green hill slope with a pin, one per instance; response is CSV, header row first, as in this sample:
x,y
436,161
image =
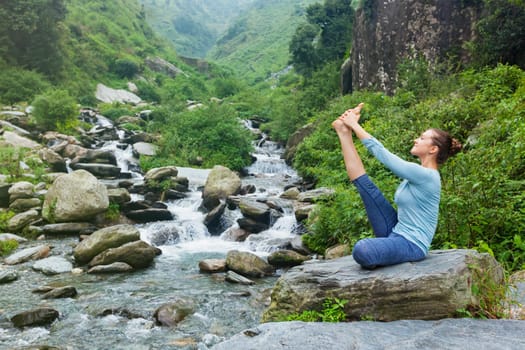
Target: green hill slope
x,y
256,45
193,26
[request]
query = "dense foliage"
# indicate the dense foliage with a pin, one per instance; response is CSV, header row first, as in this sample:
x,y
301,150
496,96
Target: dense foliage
x,y
325,36
501,34
30,35
55,110
206,136
255,45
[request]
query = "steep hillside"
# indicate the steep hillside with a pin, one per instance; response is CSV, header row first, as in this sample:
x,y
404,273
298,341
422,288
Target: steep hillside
x,y
192,26
256,45
81,43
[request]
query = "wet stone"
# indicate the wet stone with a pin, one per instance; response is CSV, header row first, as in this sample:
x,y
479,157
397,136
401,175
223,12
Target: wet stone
x,y
35,317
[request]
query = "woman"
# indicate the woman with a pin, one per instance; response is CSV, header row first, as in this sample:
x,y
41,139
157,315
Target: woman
x,y
404,235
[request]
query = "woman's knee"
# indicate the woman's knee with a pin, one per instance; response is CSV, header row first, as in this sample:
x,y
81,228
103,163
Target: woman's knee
x,y
362,254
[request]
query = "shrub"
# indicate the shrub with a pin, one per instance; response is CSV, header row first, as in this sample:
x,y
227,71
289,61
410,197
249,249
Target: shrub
x,y
55,109
7,246
333,311
213,133
18,85
125,68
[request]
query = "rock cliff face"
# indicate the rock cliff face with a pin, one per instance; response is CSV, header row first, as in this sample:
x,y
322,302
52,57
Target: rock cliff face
x,y
386,31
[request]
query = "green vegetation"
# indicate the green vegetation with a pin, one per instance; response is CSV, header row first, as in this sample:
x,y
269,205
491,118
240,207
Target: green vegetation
x,y
55,110
333,311
113,211
213,134
7,246
5,215
324,38
255,45
193,26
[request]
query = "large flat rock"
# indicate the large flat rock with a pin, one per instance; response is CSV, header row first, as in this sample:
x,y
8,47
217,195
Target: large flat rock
x,y
435,288
398,335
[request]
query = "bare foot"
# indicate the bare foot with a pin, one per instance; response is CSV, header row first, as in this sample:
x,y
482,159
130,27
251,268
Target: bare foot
x,y
339,126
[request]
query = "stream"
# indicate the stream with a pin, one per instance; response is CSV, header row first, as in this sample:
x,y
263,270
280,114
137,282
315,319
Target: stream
x,y
222,308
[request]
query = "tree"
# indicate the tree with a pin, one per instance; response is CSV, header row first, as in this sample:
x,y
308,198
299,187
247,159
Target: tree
x,y
501,34
324,38
302,49
30,34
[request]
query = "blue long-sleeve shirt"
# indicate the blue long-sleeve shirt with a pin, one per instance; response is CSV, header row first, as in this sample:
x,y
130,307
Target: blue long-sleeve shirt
x,y
417,197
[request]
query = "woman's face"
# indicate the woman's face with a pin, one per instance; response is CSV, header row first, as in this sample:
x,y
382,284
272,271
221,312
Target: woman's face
x,y
424,145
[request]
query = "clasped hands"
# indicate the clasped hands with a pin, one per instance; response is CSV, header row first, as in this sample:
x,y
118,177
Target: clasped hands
x,y
348,120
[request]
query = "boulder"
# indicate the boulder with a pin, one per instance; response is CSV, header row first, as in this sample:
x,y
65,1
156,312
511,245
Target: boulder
x,y
55,160
21,220
406,335
160,65
221,183
302,212
144,149
7,276
431,289
234,277
295,140
255,210
35,317
291,193
212,265
117,267
213,219
137,254
61,292
22,189
53,265
338,251
67,228
119,195
109,95
128,119
77,196
95,156
316,194
297,245
17,141
160,174
10,236
106,238
286,258
24,204
248,264
33,253
104,171
172,313
252,226
149,215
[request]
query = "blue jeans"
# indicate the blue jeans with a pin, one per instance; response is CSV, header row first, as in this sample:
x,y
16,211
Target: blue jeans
x,y
388,248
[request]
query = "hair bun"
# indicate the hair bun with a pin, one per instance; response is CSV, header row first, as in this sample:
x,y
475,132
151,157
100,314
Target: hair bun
x,y
455,147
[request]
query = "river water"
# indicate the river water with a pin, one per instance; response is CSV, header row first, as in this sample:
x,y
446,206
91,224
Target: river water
x,y
222,308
